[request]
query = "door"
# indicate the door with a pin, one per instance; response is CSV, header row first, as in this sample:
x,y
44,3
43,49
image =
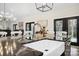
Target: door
x,y
58,29
71,26
72,29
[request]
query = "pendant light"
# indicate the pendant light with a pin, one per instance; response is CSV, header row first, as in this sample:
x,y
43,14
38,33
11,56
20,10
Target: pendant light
x,y
44,7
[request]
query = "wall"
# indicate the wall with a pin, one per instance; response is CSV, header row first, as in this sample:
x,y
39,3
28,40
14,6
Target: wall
x,y
28,12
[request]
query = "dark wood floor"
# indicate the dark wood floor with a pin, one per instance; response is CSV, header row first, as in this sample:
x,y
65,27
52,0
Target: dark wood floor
x,y
74,50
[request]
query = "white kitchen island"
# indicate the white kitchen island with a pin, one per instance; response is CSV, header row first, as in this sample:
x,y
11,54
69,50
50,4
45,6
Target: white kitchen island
x,y
48,47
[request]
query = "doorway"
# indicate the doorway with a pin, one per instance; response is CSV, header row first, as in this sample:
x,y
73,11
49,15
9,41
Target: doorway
x,y
70,25
29,27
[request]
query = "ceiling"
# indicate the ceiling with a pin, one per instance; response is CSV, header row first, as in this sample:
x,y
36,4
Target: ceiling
x,y
21,10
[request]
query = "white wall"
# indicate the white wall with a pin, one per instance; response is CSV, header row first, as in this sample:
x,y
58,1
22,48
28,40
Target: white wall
x,y
28,12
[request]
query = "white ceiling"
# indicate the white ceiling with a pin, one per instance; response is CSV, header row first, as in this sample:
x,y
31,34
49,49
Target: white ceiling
x,y
21,10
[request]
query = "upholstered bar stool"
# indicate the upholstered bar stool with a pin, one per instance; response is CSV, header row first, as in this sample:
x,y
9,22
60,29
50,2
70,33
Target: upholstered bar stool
x,y
3,35
28,34
14,36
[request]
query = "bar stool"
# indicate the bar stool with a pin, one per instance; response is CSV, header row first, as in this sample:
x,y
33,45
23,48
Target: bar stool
x,y
14,36
28,34
3,35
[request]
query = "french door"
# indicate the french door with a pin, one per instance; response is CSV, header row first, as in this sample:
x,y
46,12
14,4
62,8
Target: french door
x,y
72,29
70,25
59,28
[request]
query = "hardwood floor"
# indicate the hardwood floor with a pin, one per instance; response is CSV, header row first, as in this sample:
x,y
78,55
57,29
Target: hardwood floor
x,y
74,50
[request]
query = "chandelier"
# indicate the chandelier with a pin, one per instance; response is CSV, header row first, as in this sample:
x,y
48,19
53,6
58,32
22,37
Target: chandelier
x,y
44,7
6,16
6,19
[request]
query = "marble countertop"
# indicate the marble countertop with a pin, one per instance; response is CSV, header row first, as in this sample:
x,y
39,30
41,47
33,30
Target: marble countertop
x,y
26,51
17,49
